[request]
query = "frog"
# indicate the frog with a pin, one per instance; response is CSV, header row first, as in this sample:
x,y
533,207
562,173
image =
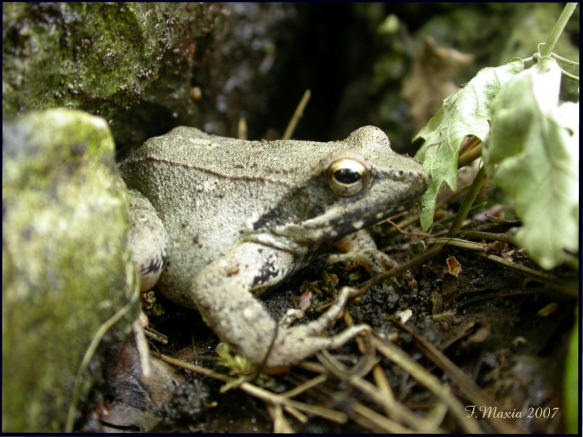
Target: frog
x,y
218,221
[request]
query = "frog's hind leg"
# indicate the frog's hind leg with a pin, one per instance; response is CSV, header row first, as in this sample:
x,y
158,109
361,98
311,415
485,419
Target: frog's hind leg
x,y
148,240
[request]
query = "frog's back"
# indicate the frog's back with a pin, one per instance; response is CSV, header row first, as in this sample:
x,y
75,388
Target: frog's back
x,y
233,158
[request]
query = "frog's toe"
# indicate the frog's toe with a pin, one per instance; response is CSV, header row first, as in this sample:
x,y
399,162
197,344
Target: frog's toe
x,y
333,313
373,260
298,343
296,346
359,249
291,316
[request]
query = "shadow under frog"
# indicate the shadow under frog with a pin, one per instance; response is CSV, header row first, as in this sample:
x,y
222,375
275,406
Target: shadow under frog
x,y
234,218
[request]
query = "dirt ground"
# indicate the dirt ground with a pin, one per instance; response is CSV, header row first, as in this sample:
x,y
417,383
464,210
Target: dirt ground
x,y
459,343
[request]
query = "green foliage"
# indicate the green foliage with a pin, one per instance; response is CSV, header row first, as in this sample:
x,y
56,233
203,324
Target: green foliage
x,y
467,112
532,154
237,364
572,408
531,147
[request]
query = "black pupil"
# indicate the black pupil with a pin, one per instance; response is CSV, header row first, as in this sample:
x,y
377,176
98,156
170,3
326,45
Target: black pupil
x,y
346,176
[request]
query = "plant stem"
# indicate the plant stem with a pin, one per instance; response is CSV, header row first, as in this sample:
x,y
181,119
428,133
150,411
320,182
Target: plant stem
x,y
558,29
289,131
468,202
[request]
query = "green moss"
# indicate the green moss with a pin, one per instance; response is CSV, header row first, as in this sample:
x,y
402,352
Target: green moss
x,y
96,56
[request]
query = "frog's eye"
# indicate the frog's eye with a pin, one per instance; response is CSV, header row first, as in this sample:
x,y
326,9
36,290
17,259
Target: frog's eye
x,y
347,177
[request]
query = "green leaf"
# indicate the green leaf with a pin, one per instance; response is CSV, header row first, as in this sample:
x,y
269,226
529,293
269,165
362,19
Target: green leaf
x,y
536,143
467,112
571,382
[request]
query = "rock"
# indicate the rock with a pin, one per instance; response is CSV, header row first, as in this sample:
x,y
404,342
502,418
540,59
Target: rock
x,y
66,263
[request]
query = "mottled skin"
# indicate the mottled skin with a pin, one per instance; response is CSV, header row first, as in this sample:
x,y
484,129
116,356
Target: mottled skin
x,y
240,216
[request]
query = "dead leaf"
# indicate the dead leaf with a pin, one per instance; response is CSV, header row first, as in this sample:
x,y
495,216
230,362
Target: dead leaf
x,y
431,79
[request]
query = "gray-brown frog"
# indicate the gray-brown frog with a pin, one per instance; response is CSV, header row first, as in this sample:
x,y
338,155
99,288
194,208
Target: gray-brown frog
x,y
234,218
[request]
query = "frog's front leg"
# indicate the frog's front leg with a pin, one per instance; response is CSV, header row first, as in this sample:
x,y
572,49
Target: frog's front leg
x,y
223,293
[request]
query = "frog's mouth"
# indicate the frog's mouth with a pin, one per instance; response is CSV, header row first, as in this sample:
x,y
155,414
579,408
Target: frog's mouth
x,y
325,228
305,237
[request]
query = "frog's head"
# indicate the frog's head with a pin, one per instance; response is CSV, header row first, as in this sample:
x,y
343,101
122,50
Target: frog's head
x,y
359,182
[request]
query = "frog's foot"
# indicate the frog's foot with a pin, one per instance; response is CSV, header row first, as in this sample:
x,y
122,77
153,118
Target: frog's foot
x,y
359,249
295,344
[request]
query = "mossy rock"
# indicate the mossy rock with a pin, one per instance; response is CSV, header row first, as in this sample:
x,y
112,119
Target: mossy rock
x,y
66,262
